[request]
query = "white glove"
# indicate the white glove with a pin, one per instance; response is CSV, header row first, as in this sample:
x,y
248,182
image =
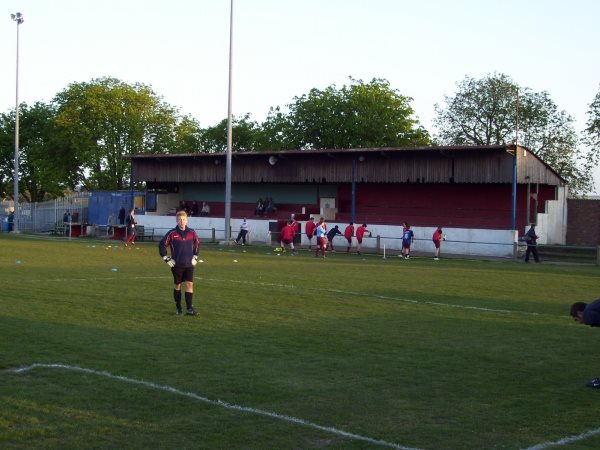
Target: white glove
x,y
195,260
170,261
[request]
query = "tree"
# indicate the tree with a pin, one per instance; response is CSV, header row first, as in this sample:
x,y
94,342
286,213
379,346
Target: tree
x,y
106,119
592,133
484,112
359,115
245,133
45,168
7,133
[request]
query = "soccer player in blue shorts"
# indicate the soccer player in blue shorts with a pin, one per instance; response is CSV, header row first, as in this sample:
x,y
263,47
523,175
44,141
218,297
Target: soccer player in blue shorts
x,y
407,239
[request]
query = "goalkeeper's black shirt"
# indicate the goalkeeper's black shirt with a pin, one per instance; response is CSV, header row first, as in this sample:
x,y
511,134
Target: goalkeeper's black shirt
x,y
183,245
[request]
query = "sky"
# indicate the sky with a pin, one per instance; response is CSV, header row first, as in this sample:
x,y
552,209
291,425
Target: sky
x,y
284,48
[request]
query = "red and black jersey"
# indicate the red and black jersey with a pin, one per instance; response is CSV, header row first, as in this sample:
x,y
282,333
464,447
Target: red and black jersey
x,y
184,244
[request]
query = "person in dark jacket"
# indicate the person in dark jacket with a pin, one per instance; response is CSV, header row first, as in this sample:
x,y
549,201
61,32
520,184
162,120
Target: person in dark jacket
x,y
131,223
587,314
330,235
531,239
184,244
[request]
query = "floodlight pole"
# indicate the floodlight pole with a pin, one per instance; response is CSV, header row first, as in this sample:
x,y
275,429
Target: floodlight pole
x,y
18,17
515,166
227,225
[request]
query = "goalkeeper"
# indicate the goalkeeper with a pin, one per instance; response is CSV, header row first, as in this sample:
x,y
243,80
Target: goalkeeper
x,y
184,244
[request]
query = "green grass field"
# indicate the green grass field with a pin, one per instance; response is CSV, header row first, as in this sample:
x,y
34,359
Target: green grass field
x,y
348,352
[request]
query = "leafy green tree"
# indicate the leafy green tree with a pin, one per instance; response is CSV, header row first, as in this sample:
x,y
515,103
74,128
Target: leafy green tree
x,y
245,132
46,169
358,115
7,133
484,112
106,119
592,133
187,136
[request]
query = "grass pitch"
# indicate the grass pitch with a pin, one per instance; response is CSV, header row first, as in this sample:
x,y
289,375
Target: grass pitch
x,y
350,352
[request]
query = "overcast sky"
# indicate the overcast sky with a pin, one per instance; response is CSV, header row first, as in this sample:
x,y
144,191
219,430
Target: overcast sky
x,y
284,48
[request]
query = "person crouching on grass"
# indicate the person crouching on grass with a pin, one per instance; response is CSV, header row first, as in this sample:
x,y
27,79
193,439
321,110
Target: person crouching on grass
x,y
587,314
184,245
287,236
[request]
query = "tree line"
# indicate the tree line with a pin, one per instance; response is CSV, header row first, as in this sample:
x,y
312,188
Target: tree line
x,y
83,136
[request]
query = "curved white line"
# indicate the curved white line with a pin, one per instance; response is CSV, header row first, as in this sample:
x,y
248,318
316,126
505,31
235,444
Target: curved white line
x,y
220,403
565,441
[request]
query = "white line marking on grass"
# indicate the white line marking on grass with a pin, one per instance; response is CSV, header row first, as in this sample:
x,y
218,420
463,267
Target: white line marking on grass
x,y
566,440
220,403
291,286
382,297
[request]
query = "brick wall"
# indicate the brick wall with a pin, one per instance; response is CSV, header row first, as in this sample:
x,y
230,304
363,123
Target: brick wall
x,y
583,223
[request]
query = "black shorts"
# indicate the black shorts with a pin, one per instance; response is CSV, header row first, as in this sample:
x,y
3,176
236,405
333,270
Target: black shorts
x,y
182,274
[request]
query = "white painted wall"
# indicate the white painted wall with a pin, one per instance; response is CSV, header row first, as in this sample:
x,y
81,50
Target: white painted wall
x,y
460,241
552,225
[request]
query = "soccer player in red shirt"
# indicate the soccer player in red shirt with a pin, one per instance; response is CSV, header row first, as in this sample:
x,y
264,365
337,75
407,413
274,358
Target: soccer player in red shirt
x,y
437,238
360,232
287,236
348,234
310,230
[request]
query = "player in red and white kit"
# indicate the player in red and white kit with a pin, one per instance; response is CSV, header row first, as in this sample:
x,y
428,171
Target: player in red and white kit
x,y
321,232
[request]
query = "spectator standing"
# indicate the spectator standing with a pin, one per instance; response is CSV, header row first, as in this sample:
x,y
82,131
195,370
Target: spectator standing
x,y
310,230
244,229
11,221
407,240
321,233
130,222
531,239
437,238
287,234
349,234
184,245
360,233
330,235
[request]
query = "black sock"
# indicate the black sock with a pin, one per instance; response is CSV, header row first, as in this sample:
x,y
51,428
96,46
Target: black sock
x,y
177,297
188,299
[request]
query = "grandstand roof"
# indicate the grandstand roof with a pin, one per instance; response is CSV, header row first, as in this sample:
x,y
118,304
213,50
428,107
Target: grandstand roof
x,y
440,164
